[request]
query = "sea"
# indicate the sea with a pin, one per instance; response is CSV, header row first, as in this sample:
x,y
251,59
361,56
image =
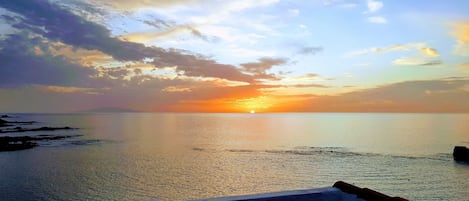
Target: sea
x,y
184,156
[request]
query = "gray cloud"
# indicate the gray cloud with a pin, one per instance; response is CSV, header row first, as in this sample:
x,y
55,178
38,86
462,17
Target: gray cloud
x,y
259,69
432,63
20,65
56,24
310,50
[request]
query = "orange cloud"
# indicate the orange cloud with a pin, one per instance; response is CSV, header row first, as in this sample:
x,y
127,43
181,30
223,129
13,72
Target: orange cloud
x,y
63,89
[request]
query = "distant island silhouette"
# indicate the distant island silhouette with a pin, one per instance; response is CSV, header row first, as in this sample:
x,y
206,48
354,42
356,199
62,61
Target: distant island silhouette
x,y
108,110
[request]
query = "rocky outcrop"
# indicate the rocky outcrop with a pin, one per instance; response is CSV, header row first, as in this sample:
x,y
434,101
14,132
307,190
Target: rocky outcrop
x,y
14,143
21,129
26,142
461,153
3,123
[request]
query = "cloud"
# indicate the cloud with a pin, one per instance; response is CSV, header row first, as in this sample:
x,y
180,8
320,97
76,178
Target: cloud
x,y
39,17
192,65
432,63
144,37
377,20
374,6
424,55
310,50
21,64
416,61
136,4
62,89
461,33
293,12
259,69
428,51
225,9
165,28
398,47
443,95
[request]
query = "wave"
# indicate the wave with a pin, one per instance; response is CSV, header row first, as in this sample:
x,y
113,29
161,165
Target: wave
x,y
337,152
61,143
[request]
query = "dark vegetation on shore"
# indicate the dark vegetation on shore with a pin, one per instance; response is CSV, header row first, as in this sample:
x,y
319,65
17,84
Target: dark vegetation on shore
x,y
14,143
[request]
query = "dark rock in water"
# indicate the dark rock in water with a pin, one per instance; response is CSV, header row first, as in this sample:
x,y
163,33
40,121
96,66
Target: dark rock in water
x,y
19,129
3,123
16,143
27,142
461,153
17,146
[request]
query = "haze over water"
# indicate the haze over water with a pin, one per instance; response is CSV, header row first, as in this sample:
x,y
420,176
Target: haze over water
x,y
177,156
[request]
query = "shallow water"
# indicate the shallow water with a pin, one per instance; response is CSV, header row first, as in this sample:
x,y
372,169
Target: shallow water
x,y
167,156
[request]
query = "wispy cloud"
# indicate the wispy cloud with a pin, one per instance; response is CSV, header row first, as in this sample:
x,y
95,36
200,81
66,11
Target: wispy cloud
x,y
374,6
145,37
223,11
441,95
310,50
377,20
62,89
416,61
461,33
423,55
137,4
293,12
422,47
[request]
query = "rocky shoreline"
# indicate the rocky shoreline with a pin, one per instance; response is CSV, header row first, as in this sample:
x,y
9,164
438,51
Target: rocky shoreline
x,y
15,143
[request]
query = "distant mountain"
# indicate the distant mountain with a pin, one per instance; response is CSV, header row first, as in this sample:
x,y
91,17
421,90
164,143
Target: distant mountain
x,y
108,110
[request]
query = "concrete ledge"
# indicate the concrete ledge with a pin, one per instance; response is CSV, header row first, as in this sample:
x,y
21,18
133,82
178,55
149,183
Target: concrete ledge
x,y
341,191
365,193
325,194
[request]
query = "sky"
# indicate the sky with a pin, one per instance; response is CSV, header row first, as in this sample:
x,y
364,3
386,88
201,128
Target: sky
x,y
234,56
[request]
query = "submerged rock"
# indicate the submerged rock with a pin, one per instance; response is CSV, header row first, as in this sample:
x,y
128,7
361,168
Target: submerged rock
x,y
21,129
26,142
461,153
3,123
15,146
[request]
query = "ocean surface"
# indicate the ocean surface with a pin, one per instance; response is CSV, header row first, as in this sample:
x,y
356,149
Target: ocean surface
x,y
178,156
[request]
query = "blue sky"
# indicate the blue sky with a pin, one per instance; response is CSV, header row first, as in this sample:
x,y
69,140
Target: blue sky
x,y
235,56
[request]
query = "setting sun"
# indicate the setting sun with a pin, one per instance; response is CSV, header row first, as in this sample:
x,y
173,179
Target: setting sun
x,y
252,112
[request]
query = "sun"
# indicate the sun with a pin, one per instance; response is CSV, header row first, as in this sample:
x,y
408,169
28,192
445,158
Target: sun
x,y
252,112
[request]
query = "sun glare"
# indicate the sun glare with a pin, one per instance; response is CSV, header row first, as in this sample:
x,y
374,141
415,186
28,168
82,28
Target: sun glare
x,y
252,112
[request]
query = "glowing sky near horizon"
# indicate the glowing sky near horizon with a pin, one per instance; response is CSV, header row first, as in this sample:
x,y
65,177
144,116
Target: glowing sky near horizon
x,y
234,56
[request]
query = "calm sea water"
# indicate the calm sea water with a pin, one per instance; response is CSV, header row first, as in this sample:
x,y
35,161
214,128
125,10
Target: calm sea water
x,y
166,156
